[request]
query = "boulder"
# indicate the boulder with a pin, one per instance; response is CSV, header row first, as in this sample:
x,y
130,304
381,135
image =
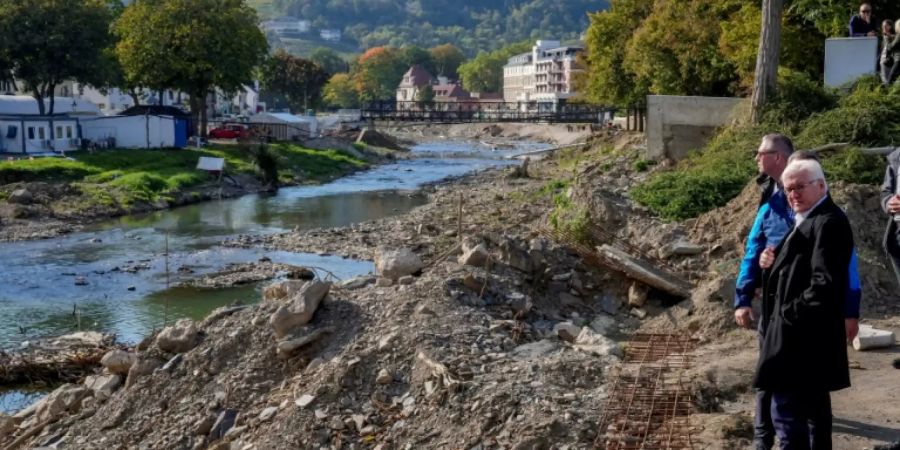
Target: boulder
x,y
394,264
21,197
566,331
103,386
118,361
300,308
597,344
66,398
283,289
474,254
178,338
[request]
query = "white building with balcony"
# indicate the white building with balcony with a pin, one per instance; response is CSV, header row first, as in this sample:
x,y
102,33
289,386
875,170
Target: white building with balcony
x,y
544,75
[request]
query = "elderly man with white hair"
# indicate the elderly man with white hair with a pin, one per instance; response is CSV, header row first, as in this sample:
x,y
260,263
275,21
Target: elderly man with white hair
x,y
804,353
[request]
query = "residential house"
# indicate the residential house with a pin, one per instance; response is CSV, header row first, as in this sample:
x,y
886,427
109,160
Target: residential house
x,y
546,75
24,130
413,80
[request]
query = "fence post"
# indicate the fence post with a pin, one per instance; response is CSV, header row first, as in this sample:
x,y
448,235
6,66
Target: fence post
x,y
641,118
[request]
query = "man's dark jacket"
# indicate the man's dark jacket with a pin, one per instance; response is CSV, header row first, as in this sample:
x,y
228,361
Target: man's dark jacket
x,y
888,189
804,347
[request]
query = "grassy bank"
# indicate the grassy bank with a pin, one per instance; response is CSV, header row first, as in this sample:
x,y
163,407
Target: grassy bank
x,y
866,116
124,177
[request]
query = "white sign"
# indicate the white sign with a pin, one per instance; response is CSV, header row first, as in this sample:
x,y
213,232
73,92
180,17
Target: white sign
x,y
211,164
847,59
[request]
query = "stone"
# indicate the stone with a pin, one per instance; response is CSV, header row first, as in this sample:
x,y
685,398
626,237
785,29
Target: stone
x,y
268,413
288,346
301,273
66,398
223,423
637,294
406,280
21,197
336,423
566,331
384,377
178,338
8,424
204,425
474,255
597,344
534,350
103,385
321,414
512,255
368,430
300,308
520,303
394,264
118,361
610,305
639,313
603,324
681,248
282,289
386,341
359,421
357,283
142,367
384,282
305,400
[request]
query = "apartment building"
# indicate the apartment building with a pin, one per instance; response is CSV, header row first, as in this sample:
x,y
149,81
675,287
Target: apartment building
x,y
545,75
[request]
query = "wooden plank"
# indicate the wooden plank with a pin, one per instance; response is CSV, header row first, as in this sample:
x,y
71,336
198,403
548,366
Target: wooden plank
x,y
643,271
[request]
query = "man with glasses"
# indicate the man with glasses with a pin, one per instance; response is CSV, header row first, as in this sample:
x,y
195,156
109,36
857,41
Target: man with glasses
x,y
863,24
804,352
774,220
890,202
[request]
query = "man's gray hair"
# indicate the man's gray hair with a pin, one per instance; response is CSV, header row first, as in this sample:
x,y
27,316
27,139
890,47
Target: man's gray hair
x,y
781,143
801,155
805,166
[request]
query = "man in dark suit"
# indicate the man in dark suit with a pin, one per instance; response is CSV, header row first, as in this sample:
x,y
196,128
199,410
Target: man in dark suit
x,y
804,352
890,202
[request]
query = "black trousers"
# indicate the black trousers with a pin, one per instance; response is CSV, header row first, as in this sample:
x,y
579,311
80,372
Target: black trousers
x,y
802,420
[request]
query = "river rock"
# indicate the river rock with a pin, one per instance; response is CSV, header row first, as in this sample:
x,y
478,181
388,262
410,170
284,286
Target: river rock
x,y
394,264
283,289
268,413
566,331
66,398
358,282
300,308
384,377
178,338
21,197
473,255
103,386
118,361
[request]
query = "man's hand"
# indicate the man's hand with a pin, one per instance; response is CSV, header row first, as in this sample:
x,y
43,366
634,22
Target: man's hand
x,y
852,328
767,257
744,317
893,205
872,33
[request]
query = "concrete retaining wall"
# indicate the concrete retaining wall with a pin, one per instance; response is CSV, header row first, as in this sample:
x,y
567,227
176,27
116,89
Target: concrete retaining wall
x,y
678,124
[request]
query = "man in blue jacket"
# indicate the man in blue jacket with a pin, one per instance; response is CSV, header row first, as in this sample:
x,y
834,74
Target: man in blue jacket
x,y
774,220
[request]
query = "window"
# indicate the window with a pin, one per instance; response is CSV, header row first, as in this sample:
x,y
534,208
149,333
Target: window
x,y
31,133
42,134
69,132
59,132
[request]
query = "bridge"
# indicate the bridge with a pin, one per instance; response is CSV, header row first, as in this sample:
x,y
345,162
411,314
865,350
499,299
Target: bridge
x,y
475,111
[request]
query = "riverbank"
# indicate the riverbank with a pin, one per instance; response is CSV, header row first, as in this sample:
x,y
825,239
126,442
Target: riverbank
x,y
46,197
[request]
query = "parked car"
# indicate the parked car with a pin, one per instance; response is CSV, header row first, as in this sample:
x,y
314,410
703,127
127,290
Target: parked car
x,y
229,131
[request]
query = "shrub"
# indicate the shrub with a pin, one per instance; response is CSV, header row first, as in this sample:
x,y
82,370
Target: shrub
x,y
868,116
798,96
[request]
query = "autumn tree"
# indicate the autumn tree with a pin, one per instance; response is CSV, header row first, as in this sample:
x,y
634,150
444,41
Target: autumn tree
x,y
329,60
47,42
378,73
193,46
298,80
447,59
340,91
417,56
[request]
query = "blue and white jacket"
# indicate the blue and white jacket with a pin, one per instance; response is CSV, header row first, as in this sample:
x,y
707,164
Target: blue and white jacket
x,y
774,220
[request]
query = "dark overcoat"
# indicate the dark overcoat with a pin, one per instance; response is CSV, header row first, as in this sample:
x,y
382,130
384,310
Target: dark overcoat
x,y
804,345
888,189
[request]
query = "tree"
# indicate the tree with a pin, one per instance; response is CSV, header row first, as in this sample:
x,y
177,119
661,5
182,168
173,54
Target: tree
x,y
340,91
329,60
447,59
379,71
47,42
425,94
412,55
766,76
297,79
192,46
484,73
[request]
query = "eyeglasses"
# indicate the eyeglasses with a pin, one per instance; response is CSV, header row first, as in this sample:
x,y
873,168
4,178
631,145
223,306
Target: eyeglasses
x,y
800,187
865,11
765,152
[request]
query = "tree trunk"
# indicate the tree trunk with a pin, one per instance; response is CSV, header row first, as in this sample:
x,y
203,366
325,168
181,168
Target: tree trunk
x,y
134,97
52,96
39,98
766,75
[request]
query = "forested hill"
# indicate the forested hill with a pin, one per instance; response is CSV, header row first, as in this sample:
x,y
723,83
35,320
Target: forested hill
x,y
472,25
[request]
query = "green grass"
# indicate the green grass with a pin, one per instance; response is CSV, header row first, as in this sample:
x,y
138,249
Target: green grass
x,y
127,176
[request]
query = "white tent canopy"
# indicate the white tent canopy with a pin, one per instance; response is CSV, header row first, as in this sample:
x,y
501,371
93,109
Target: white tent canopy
x,y
23,105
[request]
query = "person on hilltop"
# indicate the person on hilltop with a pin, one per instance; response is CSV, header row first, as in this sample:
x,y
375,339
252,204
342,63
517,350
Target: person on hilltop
x,y
890,52
863,24
890,203
804,351
774,220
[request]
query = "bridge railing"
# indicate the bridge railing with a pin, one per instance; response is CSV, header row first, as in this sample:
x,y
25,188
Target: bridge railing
x,y
482,111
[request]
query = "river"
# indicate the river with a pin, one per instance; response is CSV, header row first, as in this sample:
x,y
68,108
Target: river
x,y
123,261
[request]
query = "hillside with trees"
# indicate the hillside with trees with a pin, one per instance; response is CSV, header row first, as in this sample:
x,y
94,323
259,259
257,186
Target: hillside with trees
x,y
471,25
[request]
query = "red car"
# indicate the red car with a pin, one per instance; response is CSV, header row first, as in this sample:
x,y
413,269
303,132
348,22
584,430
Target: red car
x,y
229,131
